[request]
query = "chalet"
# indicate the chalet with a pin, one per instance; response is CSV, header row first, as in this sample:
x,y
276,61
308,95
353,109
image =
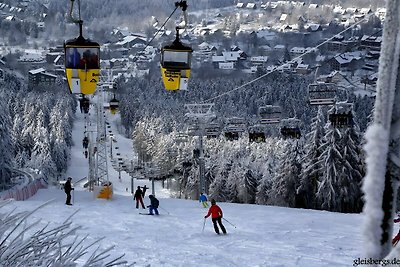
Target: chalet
x,y
283,18
297,51
118,62
33,57
303,69
279,47
51,56
345,61
371,42
312,27
333,77
373,55
251,6
240,5
259,60
336,44
313,6
40,77
228,60
266,34
129,41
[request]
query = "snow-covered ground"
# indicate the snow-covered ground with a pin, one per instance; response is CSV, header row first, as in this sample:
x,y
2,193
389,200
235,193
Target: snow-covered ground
x,y
263,236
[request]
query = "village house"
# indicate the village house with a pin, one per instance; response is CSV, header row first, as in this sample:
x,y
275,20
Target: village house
x,y
251,6
228,60
259,60
129,41
346,61
40,77
371,42
240,5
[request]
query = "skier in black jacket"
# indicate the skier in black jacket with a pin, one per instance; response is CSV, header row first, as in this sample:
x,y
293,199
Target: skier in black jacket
x,y
67,189
138,197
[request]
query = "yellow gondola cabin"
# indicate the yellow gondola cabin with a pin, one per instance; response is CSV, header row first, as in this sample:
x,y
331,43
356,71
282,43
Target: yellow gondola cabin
x,y
175,65
82,65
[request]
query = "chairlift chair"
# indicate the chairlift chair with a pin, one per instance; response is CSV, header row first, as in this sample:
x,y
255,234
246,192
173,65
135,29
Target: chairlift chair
x,y
257,134
341,115
290,128
114,105
212,130
322,93
84,104
233,128
270,114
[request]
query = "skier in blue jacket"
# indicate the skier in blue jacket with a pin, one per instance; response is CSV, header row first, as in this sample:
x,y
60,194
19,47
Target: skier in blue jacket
x,y
153,205
203,200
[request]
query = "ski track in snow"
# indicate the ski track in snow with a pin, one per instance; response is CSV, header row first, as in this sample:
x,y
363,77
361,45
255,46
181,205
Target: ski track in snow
x,y
264,235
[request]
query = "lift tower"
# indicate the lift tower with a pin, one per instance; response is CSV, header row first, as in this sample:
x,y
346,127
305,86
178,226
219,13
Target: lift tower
x,y
200,115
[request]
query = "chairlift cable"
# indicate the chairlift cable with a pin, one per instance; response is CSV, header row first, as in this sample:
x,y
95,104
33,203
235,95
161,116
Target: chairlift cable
x,y
154,36
285,64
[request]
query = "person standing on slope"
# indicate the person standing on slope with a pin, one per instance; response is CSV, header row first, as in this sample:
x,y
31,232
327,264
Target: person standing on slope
x,y
153,205
68,188
203,200
216,216
144,190
138,197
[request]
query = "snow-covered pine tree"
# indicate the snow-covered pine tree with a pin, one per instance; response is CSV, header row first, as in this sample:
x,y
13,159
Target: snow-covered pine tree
x,y
6,151
268,164
283,191
331,162
311,164
351,174
41,153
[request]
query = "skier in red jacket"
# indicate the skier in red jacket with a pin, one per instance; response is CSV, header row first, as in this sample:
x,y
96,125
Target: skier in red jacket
x,y
216,216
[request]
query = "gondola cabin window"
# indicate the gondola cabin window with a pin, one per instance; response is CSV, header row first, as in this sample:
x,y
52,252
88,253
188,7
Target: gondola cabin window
x,y
179,59
82,58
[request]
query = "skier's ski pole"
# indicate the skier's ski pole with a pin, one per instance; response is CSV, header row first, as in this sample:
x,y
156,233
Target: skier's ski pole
x,y
229,222
204,224
164,210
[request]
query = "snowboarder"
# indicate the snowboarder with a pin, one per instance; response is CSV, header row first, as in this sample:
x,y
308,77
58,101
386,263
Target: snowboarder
x,y
144,190
68,188
203,200
216,216
138,197
153,205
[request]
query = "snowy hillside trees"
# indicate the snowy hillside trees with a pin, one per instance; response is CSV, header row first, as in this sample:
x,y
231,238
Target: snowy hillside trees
x,y
37,128
238,171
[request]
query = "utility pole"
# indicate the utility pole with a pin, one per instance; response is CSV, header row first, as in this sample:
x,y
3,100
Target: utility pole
x,y
383,140
200,114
